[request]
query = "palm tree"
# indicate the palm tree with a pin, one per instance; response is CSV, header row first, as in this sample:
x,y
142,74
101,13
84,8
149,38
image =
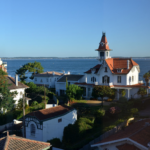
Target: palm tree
x,y
146,76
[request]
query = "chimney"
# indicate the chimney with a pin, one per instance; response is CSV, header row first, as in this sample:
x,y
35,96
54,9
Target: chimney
x,y
53,73
128,64
16,80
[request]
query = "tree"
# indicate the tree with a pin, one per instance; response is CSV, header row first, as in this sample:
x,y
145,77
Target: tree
x,y
2,72
66,83
33,68
142,92
103,91
74,91
6,98
146,76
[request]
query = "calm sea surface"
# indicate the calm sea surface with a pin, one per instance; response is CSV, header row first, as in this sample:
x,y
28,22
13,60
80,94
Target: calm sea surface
x,y
75,66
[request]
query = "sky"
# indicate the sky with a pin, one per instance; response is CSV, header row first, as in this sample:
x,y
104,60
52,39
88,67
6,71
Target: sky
x,y
73,28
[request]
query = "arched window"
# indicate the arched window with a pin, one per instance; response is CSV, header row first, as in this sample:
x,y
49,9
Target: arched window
x,y
32,127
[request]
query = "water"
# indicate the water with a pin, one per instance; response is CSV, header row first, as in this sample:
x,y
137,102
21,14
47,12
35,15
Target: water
x,y
75,66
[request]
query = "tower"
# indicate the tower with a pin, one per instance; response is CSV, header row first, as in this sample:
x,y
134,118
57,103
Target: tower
x,y
103,49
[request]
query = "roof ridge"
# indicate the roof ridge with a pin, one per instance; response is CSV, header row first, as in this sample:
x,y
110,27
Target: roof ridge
x,y
7,142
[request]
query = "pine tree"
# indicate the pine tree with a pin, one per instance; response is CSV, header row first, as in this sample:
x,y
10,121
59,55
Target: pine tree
x,y
6,97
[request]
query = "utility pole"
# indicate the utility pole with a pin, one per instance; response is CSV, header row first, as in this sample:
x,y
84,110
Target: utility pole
x,y
44,96
24,128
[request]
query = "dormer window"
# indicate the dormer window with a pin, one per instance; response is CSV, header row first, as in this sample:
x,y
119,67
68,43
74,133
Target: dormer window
x,y
119,70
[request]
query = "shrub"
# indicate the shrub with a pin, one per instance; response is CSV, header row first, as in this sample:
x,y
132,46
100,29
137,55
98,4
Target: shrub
x,y
55,142
134,111
34,103
100,113
114,110
123,100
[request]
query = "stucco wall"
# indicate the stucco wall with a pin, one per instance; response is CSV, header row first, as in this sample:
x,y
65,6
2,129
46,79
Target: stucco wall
x,y
54,129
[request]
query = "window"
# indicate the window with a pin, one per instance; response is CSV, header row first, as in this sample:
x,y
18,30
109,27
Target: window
x,y
105,69
102,54
35,79
60,120
119,79
119,70
93,79
32,129
21,93
107,54
132,78
41,80
105,79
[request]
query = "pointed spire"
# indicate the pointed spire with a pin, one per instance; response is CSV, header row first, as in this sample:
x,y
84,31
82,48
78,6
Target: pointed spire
x,y
103,45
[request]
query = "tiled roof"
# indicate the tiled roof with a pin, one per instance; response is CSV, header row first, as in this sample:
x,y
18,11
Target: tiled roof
x,y
103,45
120,63
12,142
132,86
12,86
97,67
49,113
127,147
71,77
48,74
138,132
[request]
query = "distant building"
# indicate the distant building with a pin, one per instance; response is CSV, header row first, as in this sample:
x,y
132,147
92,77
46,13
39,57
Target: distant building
x,y
134,137
61,83
117,73
47,79
46,124
13,142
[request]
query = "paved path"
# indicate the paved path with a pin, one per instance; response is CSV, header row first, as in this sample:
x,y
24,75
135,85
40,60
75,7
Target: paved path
x,y
97,103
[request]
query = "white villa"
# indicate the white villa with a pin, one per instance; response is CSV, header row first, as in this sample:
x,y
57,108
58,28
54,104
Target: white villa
x,y
47,79
46,124
118,73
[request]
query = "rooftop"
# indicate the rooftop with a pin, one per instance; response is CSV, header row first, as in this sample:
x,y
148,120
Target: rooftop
x,y
70,77
50,113
48,74
12,142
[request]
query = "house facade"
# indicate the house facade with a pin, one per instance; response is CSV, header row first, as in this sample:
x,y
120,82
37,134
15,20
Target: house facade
x,y
118,73
60,85
47,79
134,137
46,124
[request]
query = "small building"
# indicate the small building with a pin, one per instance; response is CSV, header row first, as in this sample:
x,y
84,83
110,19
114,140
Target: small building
x,y
47,79
13,142
17,86
134,137
46,124
61,83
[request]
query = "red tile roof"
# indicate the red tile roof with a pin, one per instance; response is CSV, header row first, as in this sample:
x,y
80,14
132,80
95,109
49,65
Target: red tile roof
x,y
97,67
138,132
12,142
49,113
120,63
127,147
103,46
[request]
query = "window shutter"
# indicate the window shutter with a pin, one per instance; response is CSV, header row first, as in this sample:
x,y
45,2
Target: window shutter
x,y
91,79
103,79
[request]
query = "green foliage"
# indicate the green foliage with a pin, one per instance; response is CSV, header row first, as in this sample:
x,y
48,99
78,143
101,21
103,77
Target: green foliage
x,y
142,92
20,104
55,142
74,91
134,111
3,72
6,98
103,91
45,98
34,103
100,113
123,93
32,87
66,83
123,100
33,68
146,76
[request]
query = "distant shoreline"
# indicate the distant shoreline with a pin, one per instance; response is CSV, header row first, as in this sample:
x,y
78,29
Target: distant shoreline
x,y
11,58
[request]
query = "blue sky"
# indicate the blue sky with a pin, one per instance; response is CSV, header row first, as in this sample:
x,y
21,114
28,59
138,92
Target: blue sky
x,y
73,28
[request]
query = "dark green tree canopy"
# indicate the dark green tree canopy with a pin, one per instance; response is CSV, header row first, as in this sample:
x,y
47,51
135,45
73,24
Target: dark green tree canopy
x,y
146,76
142,92
33,68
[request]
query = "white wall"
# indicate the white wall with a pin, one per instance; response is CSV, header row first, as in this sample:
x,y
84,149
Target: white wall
x,y
19,95
38,132
54,129
46,80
